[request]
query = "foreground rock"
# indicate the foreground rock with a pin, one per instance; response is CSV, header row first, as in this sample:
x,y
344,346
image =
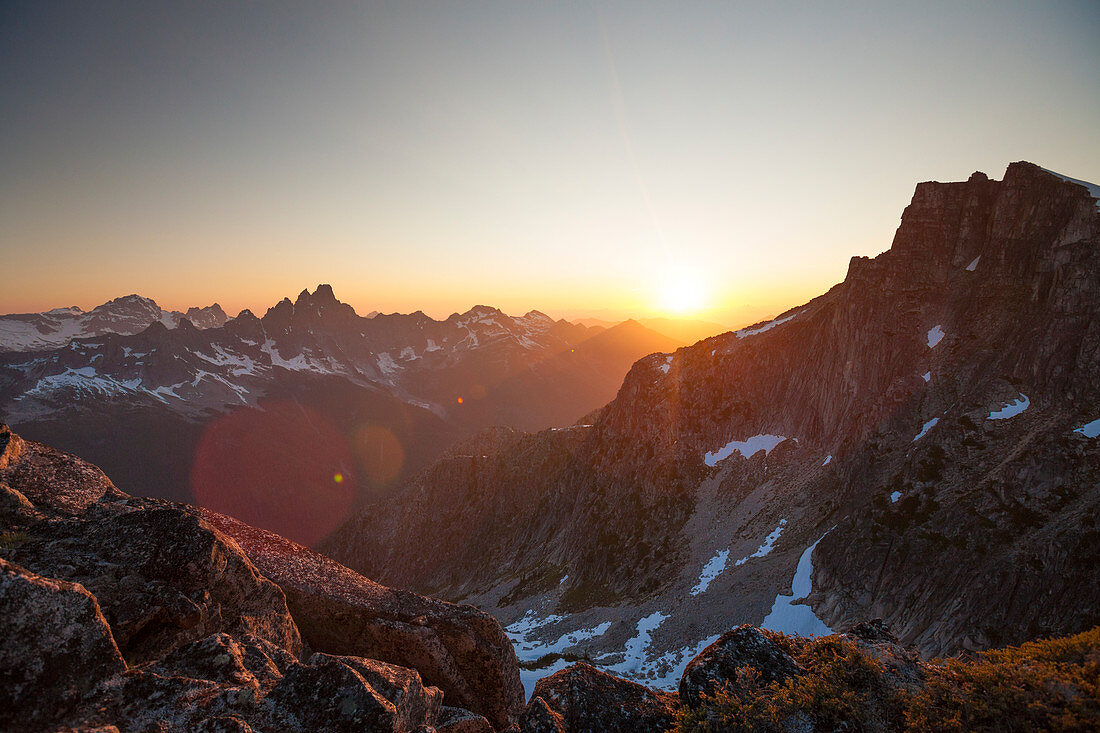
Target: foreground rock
x,y
460,649
57,646
721,665
137,614
583,698
864,680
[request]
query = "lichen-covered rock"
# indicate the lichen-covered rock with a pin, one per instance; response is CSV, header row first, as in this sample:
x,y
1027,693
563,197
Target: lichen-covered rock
x,y
539,718
332,694
457,720
57,647
589,699
459,649
247,661
163,578
719,664
51,479
11,446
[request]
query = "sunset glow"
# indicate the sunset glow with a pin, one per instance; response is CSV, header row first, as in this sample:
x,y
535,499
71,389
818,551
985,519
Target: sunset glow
x,y
426,157
682,293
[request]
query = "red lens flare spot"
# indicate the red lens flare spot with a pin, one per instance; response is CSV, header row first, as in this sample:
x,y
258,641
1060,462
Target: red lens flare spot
x,y
460,400
283,468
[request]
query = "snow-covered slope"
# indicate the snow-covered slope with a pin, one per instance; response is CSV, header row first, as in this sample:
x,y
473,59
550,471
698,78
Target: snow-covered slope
x,y
126,315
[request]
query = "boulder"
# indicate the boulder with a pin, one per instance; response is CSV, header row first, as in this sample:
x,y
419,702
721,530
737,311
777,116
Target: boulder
x,y
589,699
162,576
51,479
539,718
332,694
457,720
459,649
719,664
57,647
244,662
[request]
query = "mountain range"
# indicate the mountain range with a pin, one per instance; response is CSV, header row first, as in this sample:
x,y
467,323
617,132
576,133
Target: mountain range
x,y
918,444
127,315
165,408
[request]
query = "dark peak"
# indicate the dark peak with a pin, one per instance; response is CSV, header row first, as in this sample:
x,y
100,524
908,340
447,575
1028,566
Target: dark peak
x,y
156,329
283,309
130,301
214,310
480,311
977,176
246,315
185,325
323,295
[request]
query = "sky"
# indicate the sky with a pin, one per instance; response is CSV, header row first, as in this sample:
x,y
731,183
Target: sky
x,y
721,159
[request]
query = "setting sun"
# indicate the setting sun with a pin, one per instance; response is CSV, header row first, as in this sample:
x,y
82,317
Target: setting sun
x,y
682,293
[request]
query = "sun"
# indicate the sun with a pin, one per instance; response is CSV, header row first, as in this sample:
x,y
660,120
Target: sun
x,y
682,293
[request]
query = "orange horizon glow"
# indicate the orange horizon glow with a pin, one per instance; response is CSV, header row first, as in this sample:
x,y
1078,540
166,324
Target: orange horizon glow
x,y
712,161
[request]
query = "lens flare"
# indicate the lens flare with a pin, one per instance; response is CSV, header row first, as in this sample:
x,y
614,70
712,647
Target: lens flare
x,y
283,468
380,454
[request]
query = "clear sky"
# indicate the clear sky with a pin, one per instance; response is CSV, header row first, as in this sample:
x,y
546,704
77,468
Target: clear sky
x,y
609,159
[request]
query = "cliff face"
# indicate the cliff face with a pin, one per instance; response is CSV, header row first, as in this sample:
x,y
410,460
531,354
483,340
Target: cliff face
x,y
920,415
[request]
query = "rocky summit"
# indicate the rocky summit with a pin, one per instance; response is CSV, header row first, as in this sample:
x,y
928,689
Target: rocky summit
x,y
917,444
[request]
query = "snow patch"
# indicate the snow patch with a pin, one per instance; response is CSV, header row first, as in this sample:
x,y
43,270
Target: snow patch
x,y
935,335
1090,430
711,570
973,265
924,430
764,327
1010,409
766,547
894,496
927,376
827,461
788,617
747,448
634,655
386,363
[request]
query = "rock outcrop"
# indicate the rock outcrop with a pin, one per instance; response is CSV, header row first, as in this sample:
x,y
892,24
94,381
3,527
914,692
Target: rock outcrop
x,y
143,614
460,649
583,698
57,647
718,666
